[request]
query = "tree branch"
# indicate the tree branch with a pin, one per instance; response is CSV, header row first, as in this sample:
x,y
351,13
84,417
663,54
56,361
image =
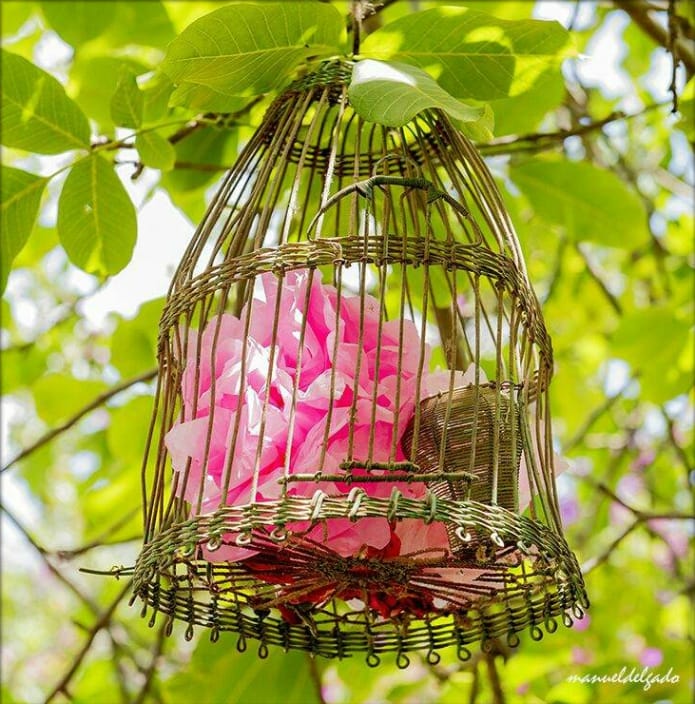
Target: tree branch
x,y
640,14
96,403
100,624
495,683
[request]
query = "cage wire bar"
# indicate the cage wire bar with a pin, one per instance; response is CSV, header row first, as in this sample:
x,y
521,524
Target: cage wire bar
x,y
400,230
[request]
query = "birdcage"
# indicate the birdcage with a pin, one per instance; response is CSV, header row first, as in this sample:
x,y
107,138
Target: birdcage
x,y
351,450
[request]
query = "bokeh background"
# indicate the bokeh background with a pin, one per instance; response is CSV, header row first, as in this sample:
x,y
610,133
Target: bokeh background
x,y
600,142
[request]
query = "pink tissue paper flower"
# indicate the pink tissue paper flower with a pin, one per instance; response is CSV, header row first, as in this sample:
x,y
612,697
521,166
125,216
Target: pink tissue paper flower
x,y
379,387
232,428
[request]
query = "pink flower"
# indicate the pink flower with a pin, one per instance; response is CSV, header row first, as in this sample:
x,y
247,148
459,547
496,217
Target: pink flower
x,y
238,404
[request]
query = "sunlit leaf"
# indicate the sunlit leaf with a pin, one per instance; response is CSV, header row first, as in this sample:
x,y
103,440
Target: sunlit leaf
x,y
653,341
282,677
78,22
127,101
96,218
133,346
472,54
37,115
591,203
155,151
93,80
21,197
59,396
248,48
202,151
392,93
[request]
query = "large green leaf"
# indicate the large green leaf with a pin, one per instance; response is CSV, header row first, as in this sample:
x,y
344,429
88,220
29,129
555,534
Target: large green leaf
x,y
591,203
127,102
14,15
658,345
78,22
21,196
134,341
247,48
97,225
472,54
207,146
59,396
391,93
282,677
37,115
111,23
92,82
155,151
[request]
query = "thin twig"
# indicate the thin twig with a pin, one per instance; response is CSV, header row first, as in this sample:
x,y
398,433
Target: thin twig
x,y
100,624
152,667
495,682
538,141
96,403
43,554
640,13
315,678
594,416
596,277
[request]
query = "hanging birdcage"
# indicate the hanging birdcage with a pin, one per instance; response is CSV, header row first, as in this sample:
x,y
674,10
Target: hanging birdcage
x,y
351,447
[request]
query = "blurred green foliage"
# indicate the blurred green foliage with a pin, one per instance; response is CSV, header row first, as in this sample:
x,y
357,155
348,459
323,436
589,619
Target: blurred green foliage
x,y
603,207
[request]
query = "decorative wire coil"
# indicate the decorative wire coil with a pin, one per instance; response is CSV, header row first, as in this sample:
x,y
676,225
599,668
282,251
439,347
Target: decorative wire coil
x,y
411,228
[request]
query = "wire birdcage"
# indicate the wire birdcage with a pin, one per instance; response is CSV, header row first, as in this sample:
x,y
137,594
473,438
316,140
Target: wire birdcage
x,y
351,447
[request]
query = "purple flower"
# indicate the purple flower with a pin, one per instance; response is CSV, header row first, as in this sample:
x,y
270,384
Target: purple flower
x,y
651,657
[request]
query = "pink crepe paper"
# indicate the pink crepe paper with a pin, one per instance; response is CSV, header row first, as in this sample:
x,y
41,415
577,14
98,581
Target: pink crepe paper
x,y
372,375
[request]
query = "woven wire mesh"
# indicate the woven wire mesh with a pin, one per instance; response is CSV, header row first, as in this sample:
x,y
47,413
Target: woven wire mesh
x,y
404,234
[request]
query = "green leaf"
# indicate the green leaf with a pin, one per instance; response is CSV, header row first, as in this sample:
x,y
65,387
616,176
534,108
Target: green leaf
x,y
127,433
134,342
156,92
92,81
155,151
78,22
656,343
14,15
282,677
392,93
140,23
21,196
209,146
247,49
97,225
59,396
197,97
37,115
472,54
523,113
127,102
591,203
113,24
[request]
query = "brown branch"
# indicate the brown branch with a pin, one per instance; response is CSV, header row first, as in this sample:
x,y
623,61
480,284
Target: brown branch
x,y
595,276
640,14
315,678
152,667
96,403
100,540
494,677
594,416
591,564
539,141
43,554
101,623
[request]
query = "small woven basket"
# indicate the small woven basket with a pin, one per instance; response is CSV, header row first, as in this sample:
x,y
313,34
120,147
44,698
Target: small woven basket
x,y
475,429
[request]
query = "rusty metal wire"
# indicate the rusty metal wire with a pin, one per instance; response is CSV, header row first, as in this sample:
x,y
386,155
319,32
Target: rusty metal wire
x,y
412,219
